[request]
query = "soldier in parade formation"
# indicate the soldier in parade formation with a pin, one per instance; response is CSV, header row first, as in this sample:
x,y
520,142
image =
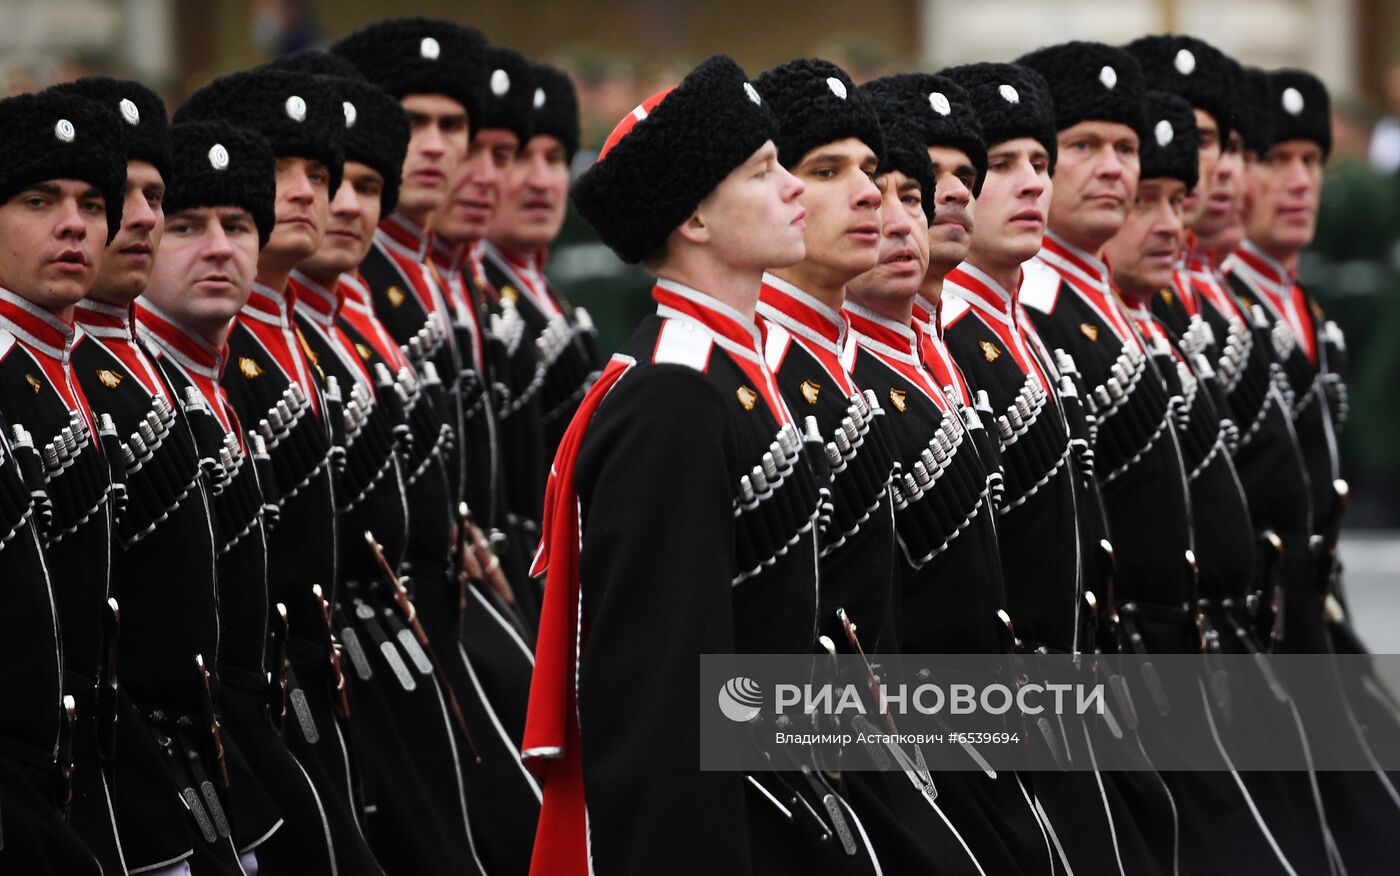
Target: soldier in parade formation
x,y
332,544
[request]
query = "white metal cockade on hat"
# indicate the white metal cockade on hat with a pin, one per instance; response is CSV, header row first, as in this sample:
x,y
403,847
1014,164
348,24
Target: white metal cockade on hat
x,y
752,93
1109,77
539,98
1164,132
65,131
351,114
296,108
429,49
129,111
837,87
218,157
939,101
500,83
1185,62
1292,100
1009,94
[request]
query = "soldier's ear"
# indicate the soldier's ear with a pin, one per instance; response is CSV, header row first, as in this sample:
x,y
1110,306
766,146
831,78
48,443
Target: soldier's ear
x,y
695,229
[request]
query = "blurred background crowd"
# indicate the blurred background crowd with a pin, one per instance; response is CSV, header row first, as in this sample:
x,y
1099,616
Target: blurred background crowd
x,y
620,51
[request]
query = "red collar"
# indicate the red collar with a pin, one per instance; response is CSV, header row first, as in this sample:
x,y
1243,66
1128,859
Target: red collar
x,y
677,299
104,320
527,270
268,315
35,327
1068,259
316,302
978,289
1091,277
1001,312
192,352
266,304
1274,272
737,335
404,236
932,320
355,290
111,326
786,305
886,335
446,257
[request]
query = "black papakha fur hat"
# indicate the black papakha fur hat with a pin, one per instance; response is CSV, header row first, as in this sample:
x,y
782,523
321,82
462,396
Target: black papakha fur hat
x,y
52,135
940,111
817,103
669,153
299,113
139,107
1091,82
376,127
422,56
217,164
1171,147
1011,102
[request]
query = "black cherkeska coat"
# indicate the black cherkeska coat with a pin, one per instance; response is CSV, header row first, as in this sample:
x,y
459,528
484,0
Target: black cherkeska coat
x,y
686,549
318,831
39,392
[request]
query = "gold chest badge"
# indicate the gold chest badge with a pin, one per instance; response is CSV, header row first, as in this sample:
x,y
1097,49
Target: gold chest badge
x,y
747,397
363,351
34,383
1168,297
810,391
510,293
109,379
249,368
990,352
1089,330
897,399
395,296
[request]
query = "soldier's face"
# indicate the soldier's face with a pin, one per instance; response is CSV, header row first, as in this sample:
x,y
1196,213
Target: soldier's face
x,y
353,216
904,241
435,149
1144,252
52,236
1208,151
843,211
950,236
1012,207
534,197
208,259
1221,187
752,221
126,266
1095,176
302,207
1284,188
476,188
